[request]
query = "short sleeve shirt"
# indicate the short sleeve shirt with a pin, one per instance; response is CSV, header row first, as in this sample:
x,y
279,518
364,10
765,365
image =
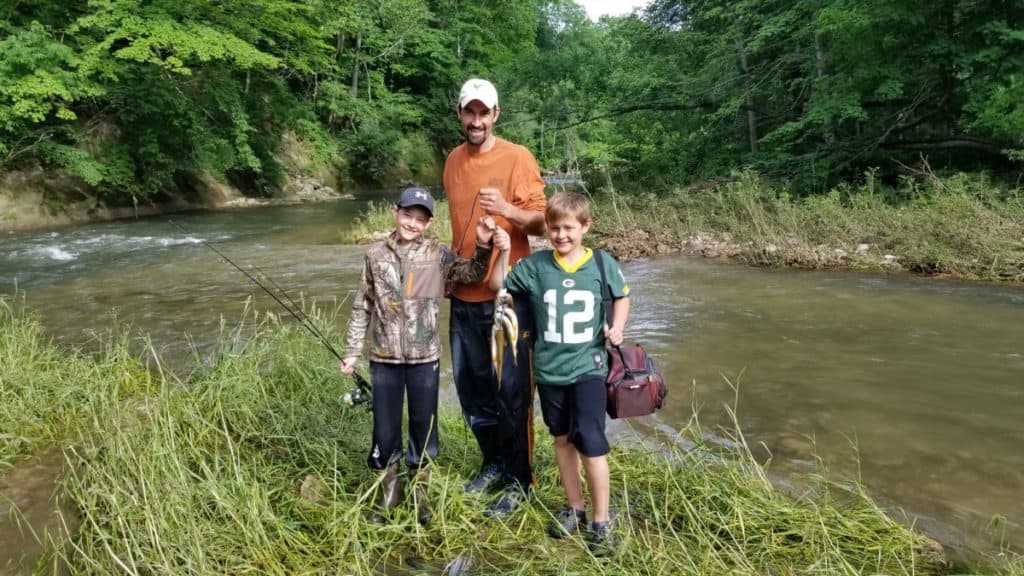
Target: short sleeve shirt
x,y
566,303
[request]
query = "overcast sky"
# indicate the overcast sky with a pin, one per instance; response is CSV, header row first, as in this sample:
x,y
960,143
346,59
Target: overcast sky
x,y
597,8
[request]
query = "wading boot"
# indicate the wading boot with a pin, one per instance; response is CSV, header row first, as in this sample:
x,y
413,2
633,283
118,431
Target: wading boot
x,y
423,512
390,493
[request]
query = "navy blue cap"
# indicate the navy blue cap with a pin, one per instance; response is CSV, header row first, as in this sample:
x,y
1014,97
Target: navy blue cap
x,y
417,197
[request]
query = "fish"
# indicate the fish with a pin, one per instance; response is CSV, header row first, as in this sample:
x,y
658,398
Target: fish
x,y
504,331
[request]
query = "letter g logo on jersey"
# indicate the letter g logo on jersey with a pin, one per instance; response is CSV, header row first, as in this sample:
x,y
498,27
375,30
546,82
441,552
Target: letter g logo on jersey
x,y
568,283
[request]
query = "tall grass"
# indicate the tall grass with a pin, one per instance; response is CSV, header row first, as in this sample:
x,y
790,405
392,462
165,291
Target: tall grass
x,y
963,225
252,465
211,480
46,391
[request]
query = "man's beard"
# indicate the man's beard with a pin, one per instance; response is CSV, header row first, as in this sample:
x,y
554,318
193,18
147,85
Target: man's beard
x,y
475,140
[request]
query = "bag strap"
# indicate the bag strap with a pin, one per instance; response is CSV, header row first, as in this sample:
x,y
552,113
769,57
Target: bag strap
x,y
606,302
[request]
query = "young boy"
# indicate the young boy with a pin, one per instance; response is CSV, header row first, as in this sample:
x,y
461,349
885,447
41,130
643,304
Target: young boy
x,y
570,360
398,299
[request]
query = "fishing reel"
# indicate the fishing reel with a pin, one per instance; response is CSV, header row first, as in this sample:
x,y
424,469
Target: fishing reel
x,y
361,394
355,397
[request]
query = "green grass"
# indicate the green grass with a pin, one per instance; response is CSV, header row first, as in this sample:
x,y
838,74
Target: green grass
x,y
252,465
46,392
378,219
962,226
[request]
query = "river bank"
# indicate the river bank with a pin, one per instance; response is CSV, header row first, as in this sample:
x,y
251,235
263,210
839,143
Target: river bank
x,y
34,198
259,468
921,373
962,227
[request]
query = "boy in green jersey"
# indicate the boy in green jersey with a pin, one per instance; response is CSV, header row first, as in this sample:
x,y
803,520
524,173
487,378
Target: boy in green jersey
x,y
570,358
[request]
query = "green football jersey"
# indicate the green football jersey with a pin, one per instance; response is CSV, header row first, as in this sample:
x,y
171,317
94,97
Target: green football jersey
x,y
566,301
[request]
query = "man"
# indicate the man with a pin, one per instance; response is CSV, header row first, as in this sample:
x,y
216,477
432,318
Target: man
x,y
487,175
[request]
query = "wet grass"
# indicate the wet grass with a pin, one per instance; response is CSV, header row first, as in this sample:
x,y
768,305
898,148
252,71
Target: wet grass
x,y
252,465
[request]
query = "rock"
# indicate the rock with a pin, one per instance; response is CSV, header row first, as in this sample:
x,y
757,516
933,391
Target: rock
x,y
302,188
312,489
863,247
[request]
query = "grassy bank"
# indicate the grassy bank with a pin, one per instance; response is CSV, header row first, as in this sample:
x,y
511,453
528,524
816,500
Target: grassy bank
x,y
963,226
252,465
47,394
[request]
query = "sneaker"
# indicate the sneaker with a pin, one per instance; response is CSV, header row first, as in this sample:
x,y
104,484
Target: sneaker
x,y
511,497
485,479
601,539
567,522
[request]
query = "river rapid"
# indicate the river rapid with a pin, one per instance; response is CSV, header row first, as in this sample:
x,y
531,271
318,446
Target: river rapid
x,y
912,385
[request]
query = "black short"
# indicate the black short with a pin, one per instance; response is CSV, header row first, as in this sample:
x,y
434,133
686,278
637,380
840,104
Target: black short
x,y
577,410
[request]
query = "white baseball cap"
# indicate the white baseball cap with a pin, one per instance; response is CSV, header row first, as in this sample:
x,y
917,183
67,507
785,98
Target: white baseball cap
x,y
478,89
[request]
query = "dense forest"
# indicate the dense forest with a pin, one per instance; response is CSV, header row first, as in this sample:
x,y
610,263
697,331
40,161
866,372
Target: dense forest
x,y
135,98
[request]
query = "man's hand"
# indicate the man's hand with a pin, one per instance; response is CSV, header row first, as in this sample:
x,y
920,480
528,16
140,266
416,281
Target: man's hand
x,y
494,203
347,366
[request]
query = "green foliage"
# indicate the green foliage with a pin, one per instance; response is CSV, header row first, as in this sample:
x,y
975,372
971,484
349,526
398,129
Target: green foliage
x,y
373,154
812,92
46,391
183,87
378,220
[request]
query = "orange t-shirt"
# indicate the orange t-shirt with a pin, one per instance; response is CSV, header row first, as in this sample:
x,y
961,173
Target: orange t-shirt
x,y
508,167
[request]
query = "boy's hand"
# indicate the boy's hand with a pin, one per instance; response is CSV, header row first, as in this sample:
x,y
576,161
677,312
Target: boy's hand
x,y
485,230
502,241
347,366
613,335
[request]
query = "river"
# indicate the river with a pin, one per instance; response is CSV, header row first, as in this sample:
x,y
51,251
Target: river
x,y
912,385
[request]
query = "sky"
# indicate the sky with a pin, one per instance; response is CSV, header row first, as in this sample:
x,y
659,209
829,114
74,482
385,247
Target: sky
x,y
597,8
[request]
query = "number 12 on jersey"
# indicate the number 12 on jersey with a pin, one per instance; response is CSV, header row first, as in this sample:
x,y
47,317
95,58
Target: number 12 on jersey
x,y
570,321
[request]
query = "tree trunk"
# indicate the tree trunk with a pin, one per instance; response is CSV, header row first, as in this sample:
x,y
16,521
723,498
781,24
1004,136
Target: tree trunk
x,y
354,88
819,69
748,85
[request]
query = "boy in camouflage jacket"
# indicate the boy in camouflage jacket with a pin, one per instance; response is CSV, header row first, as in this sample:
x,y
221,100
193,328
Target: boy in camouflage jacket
x,y
398,301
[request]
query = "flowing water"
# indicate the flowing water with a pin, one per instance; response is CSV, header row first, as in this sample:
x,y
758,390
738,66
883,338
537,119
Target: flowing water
x,y
912,385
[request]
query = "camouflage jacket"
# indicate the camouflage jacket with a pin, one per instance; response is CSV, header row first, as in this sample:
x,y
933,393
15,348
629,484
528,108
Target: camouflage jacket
x,y
399,298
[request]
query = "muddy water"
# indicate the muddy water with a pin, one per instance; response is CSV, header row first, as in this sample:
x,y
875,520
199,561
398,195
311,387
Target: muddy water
x,y
912,385
31,516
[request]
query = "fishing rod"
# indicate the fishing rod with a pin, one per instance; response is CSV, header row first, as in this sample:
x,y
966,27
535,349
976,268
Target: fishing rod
x,y
363,392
